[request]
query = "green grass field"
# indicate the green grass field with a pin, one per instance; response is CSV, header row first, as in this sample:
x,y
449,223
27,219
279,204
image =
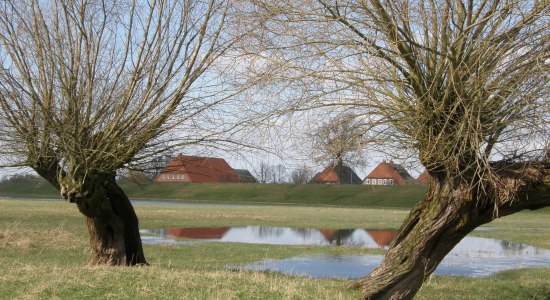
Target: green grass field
x,y
43,246
299,194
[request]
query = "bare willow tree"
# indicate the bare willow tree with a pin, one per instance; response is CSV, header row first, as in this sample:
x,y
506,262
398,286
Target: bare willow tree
x,y
89,87
266,173
464,84
339,141
301,175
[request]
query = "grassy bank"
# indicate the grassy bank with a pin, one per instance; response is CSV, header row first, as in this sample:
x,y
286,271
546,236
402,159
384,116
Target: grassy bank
x,y
44,248
300,194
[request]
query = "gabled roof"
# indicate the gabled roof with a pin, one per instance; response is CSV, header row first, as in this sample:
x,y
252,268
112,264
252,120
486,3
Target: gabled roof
x,y
337,237
245,176
382,237
202,169
331,175
326,176
423,178
389,170
198,233
402,171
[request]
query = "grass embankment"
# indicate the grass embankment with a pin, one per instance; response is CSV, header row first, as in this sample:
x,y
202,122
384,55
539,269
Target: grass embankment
x,y
297,194
44,248
28,189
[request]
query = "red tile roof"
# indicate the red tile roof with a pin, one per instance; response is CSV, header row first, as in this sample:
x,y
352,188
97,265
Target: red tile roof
x,y
382,237
330,175
423,178
198,233
200,169
389,170
328,233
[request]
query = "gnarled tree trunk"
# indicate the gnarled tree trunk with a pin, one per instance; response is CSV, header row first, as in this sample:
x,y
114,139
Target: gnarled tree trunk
x,y
125,211
450,210
110,217
112,224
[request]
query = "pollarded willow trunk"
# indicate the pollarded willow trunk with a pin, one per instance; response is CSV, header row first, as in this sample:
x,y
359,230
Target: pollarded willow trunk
x,y
110,217
112,223
430,231
123,208
106,240
450,210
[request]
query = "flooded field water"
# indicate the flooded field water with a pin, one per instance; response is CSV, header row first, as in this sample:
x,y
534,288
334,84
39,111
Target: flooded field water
x,y
473,256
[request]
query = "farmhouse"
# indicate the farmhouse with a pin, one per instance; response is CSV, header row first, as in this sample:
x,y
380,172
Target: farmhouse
x,y
388,173
336,175
198,233
246,176
423,178
382,237
337,237
197,169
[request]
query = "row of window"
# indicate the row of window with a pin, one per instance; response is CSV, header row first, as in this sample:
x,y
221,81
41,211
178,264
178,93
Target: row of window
x,y
173,176
379,181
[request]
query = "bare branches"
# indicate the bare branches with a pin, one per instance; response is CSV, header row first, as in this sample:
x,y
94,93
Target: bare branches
x,y
90,84
464,81
340,140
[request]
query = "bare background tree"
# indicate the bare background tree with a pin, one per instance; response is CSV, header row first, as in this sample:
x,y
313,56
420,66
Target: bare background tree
x,y
153,166
301,175
266,173
463,84
340,141
90,87
279,174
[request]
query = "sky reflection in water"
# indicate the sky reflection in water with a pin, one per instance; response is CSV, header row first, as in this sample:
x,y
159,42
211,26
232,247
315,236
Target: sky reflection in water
x,y
368,238
473,256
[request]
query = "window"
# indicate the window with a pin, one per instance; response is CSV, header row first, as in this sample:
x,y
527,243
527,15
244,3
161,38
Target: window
x,y
380,181
390,181
385,182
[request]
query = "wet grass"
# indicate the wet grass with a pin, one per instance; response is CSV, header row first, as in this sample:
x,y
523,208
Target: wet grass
x,y
43,246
